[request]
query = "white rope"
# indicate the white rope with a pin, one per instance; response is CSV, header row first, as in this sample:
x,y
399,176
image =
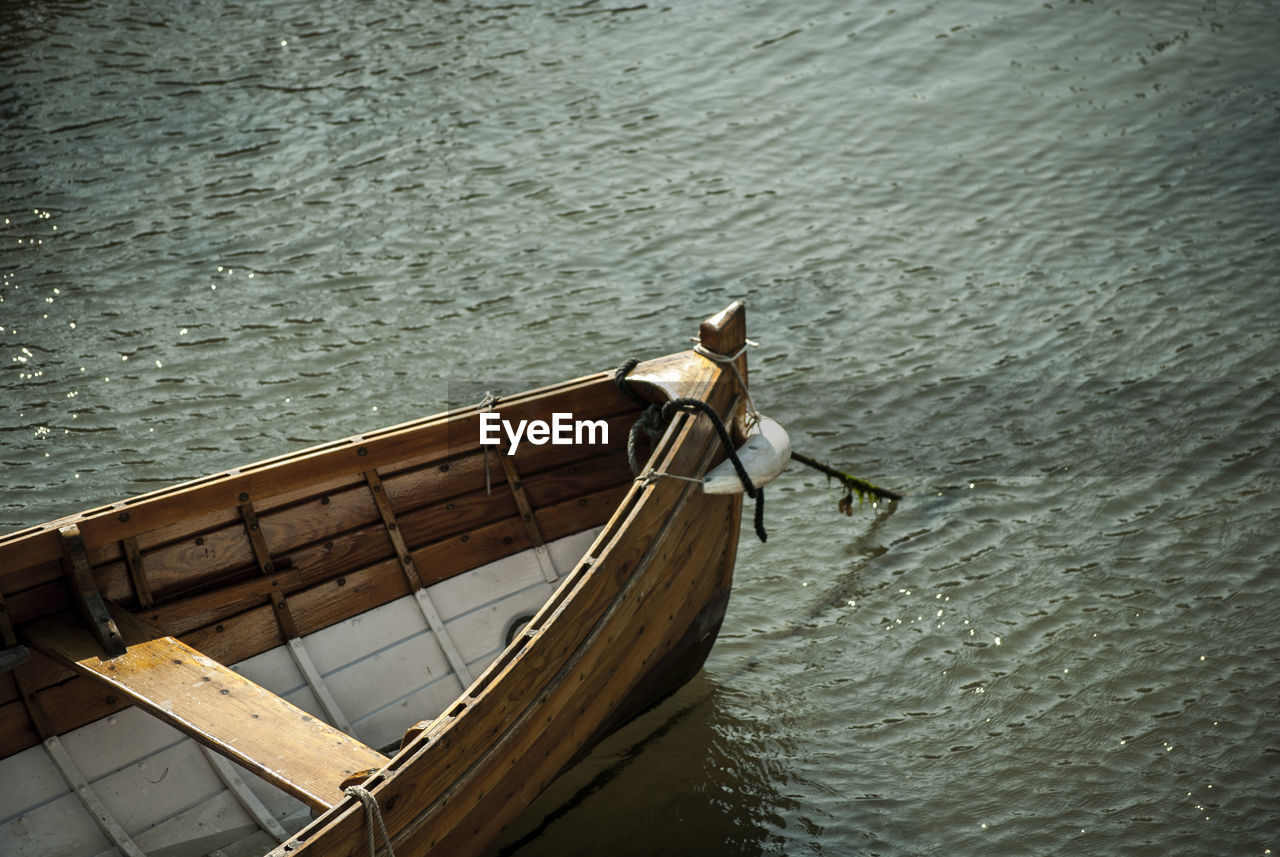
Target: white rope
x,y
372,812
717,356
753,416
651,476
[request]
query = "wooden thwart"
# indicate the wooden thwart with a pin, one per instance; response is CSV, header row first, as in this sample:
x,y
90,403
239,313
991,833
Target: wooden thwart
x,y
214,705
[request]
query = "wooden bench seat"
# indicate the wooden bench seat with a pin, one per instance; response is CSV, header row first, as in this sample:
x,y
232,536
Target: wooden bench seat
x,y
214,705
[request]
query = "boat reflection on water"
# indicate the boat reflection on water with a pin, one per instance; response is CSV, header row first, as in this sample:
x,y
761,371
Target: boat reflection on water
x,y
696,775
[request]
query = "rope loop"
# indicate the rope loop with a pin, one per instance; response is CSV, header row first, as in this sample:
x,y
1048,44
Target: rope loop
x,y
624,386
372,814
651,425
731,360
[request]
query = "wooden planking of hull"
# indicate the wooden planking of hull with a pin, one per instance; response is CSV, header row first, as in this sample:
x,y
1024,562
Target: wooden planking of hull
x,y
406,624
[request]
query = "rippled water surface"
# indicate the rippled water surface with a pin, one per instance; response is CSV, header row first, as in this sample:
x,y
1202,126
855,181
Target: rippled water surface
x,y
1016,259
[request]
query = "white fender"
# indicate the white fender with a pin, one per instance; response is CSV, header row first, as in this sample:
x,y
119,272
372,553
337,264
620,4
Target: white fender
x,y
764,455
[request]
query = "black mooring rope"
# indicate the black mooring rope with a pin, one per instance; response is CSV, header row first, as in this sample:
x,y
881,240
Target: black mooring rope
x,y
650,422
689,406
624,386
654,420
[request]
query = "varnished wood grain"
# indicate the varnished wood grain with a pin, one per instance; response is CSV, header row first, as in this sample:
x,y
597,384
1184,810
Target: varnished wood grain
x,y
628,640
218,707
236,622
179,617
516,687
633,616
726,332
440,436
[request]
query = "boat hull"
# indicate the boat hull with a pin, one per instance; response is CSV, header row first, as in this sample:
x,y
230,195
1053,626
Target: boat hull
x,y
485,619
634,620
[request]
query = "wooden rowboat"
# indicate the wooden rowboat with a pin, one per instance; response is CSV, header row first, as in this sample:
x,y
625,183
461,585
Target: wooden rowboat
x,y
404,628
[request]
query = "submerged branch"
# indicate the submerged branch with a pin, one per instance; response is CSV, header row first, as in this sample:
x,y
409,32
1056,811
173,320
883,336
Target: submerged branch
x,y
852,483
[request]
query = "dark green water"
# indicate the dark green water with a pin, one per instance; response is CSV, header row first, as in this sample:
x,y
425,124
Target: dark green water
x,y
1018,260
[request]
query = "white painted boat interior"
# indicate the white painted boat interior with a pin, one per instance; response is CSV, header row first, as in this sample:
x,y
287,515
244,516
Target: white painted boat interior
x,y
384,670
